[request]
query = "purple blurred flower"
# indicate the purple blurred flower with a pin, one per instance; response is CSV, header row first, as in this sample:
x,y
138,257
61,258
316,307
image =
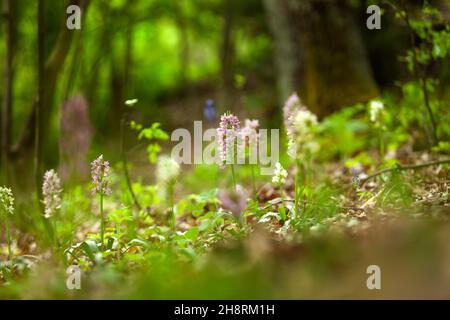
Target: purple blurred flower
x,y
75,138
249,136
358,174
100,172
234,201
249,131
227,132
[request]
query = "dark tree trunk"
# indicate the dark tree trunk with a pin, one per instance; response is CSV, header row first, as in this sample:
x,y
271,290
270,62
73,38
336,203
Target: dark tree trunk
x,y
6,112
41,97
333,69
52,68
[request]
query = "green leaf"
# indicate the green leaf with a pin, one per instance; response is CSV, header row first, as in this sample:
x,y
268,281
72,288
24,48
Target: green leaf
x,y
90,248
192,233
139,242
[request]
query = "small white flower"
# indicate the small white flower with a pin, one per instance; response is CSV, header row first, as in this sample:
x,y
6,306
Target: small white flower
x,y
376,109
279,175
167,169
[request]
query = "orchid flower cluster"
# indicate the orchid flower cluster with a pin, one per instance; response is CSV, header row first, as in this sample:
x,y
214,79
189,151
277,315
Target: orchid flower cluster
x,y
51,190
376,111
249,139
300,126
6,200
227,134
100,171
249,132
7,208
279,175
234,142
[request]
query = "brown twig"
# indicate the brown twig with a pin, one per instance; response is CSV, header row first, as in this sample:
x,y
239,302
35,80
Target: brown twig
x,y
401,167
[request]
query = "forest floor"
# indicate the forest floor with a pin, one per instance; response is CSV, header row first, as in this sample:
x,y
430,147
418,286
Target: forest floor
x,y
408,239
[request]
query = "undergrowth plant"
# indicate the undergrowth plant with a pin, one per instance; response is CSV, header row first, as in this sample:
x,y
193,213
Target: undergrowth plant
x,y
6,211
100,172
301,126
430,44
228,139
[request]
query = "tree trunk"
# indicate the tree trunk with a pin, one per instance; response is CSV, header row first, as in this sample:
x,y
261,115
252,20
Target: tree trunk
x,y
41,98
286,49
227,53
180,20
6,113
333,69
52,67
121,64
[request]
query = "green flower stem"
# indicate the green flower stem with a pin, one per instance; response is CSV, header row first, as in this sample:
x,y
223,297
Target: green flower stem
x,y
381,143
102,223
233,176
8,241
172,218
297,190
253,180
296,196
283,208
56,241
118,241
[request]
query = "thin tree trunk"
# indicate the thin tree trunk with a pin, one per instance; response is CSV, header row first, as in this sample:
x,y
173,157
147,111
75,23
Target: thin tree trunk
x,y
76,61
6,114
91,70
286,55
180,20
227,52
41,101
117,83
128,53
51,70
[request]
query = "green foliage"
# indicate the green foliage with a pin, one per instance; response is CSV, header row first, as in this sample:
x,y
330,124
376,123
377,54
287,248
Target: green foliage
x,y
396,192
342,133
154,132
435,43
